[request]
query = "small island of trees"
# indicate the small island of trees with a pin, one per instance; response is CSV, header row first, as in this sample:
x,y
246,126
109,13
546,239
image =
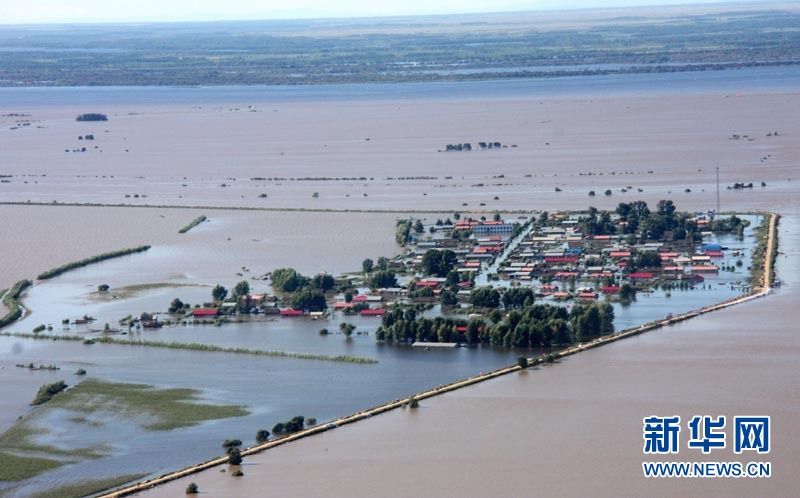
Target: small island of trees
x,y
92,116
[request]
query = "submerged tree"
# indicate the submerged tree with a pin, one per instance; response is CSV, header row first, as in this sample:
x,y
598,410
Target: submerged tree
x,y
219,293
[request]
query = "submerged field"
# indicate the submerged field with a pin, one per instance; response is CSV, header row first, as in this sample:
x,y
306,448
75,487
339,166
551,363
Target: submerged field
x,y
679,136
96,406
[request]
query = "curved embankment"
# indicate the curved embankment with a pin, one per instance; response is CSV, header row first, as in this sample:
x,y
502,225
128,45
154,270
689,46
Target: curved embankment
x,y
11,298
12,303
765,290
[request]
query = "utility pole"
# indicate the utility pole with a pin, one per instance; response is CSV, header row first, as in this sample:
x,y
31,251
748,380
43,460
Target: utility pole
x,y
717,190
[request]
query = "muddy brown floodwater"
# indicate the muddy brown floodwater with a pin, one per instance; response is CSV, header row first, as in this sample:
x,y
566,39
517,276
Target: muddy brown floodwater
x,y
571,429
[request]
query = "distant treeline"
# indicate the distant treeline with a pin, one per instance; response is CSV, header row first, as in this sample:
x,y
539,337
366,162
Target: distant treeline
x,y
54,272
355,52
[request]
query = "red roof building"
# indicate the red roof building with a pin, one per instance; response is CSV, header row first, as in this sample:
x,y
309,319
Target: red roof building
x,y
704,268
610,289
373,312
566,274
291,312
205,312
640,275
561,259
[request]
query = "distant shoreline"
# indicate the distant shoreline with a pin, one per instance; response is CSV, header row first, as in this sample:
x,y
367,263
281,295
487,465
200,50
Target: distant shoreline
x,y
766,78
443,76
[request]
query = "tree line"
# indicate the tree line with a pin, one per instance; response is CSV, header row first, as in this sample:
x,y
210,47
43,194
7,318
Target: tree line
x,y
530,325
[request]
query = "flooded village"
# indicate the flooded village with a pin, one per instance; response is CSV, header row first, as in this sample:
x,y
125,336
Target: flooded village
x,y
208,287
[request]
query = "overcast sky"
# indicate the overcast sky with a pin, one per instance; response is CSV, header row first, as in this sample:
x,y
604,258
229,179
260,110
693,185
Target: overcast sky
x,y
48,11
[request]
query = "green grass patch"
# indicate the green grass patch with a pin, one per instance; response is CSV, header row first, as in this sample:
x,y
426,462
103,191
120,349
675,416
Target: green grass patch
x,y
17,468
193,224
54,272
87,488
18,438
165,409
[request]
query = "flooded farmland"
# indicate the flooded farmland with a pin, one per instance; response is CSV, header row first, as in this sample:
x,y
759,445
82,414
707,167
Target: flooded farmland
x,y
680,138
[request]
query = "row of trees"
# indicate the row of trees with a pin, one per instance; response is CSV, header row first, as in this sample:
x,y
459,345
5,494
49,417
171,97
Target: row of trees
x,y
219,293
489,297
637,219
305,293
535,325
368,265
439,262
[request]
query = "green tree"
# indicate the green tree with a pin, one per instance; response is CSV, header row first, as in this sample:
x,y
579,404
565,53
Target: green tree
x,y
647,259
448,298
485,297
419,227
288,280
262,435
175,306
518,297
367,265
473,331
439,262
234,456
382,279
309,300
219,293
323,282
347,328
241,289
402,231
627,294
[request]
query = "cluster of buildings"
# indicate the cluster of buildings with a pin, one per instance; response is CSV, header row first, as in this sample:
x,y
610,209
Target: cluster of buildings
x,y
561,254
487,241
